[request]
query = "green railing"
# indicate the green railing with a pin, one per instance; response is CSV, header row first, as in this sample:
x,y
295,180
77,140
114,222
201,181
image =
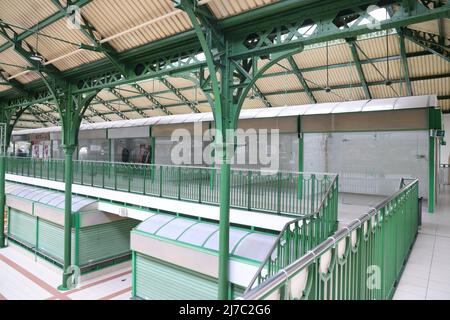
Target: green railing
x,y
299,236
274,192
362,261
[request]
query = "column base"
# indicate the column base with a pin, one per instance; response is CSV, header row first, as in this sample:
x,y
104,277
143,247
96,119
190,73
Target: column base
x,y
63,288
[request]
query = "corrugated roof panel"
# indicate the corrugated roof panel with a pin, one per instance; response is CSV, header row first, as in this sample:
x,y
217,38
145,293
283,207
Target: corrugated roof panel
x,y
180,110
19,12
439,87
281,66
428,26
378,70
445,104
427,65
52,48
78,59
179,82
28,77
127,91
281,83
167,98
254,103
153,86
337,76
204,107
383,91
4,87
339,53
290,99
225,8
106,95
193,94
11,57
338,95
376,47
412,47
127,14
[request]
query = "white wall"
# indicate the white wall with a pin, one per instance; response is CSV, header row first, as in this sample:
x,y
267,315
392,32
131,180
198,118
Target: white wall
x,y
445,150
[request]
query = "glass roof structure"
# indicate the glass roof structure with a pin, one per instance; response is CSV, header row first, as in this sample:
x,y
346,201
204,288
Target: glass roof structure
x,y
243,243
48,197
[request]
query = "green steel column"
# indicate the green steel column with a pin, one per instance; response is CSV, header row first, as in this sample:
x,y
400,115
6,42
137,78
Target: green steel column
x,y
431,174
227,139
300,156
68,174
2,201
224,225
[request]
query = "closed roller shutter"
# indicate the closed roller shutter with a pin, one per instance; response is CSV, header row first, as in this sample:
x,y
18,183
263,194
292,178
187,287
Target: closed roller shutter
x,y
51,240
156,280
22,227
105,241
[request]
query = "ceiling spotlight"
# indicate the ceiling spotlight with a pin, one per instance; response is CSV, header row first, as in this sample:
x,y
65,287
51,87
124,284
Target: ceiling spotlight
x,y
388,83
327,89
36,57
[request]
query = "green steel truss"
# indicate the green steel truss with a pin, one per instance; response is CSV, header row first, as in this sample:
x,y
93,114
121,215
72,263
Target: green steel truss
x,y
436,44
183,53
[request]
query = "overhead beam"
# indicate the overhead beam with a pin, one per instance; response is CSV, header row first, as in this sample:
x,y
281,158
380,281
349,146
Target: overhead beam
x,y
44,23
128,103
46,116
359,69
404,61
179,95
150,97
429,41
89,30
108,105
298,73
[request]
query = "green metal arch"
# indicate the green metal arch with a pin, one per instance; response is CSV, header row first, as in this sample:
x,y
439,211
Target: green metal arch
x,y
258,75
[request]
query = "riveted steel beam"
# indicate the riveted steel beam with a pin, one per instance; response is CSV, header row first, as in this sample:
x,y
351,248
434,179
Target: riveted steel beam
x,y
298,73
357,62
128,103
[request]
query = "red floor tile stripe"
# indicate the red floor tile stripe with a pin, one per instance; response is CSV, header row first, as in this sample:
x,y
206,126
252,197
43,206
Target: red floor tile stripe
x,y
44,285
116,294
97,283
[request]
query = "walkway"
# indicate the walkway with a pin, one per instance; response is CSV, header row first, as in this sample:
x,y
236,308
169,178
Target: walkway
x,y
427,273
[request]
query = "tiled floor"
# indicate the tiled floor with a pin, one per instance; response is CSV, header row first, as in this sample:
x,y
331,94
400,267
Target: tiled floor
x,y
427,273
21,278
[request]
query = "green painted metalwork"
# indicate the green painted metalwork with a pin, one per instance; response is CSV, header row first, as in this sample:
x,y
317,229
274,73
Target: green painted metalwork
x,y
296,70
363,261
249,189
300,236
179,52
405,66
357,61
429,41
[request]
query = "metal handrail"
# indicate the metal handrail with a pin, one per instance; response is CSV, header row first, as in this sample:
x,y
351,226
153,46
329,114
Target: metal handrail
x,y
298,193
285,228
285,274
